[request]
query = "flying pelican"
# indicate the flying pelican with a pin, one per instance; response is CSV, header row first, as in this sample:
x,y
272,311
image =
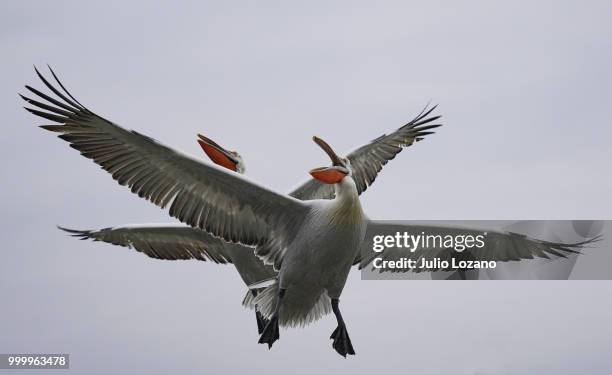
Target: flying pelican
x,y
172,242
312,244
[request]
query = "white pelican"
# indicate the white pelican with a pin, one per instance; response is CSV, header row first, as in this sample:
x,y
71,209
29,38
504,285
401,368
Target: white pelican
x,y
312,244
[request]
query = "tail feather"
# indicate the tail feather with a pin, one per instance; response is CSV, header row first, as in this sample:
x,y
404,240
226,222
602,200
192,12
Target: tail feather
x,y
297,310
249,300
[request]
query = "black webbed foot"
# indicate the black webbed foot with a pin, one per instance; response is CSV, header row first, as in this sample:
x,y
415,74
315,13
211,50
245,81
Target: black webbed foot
x,y
270,333
342,342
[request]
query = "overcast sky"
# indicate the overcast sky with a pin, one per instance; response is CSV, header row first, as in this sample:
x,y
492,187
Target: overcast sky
x,y
525,92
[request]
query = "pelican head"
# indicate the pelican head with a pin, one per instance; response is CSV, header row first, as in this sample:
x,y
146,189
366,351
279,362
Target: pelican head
x,y
341,167
220,156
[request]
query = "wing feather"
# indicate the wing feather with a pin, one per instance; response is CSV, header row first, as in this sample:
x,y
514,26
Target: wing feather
x,y
161,241
201,195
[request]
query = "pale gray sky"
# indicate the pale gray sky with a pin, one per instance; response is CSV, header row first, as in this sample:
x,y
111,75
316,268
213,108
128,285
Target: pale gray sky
x,y
524,88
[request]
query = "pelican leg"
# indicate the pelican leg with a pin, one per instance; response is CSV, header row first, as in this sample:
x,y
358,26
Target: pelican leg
x,y
342,342
261,321
270,334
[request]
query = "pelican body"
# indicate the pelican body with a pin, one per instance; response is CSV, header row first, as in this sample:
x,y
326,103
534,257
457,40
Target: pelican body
x,y
318,261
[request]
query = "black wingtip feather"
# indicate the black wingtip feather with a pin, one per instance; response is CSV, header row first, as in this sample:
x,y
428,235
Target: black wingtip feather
x,y
81,234
425,112
64,88
46,115
52,128
422,134
427,120
57,92
51,100
428,127
47,107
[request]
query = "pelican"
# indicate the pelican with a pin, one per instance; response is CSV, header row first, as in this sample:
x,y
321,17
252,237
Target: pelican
x,y
312,244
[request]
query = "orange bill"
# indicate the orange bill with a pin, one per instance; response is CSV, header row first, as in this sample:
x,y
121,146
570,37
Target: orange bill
x,y
328,175
217,156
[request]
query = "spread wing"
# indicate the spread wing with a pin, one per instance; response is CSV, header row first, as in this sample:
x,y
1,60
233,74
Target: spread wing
x,y
367,161
161,241
203,196
498,246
